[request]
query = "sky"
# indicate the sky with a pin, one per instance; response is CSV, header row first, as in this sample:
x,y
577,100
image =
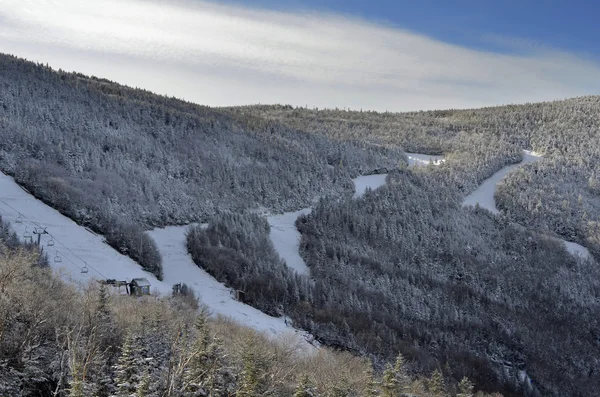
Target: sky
x,y
376,54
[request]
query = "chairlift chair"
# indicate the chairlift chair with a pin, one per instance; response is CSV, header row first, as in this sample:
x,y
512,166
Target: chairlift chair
x,y
84,269
57,259
27,236
50,243
19,219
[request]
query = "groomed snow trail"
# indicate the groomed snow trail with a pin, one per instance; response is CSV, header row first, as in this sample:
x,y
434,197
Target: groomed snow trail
x,y
484,196
78,247
286,239
362,183
419,160
178,267
74,245
285,236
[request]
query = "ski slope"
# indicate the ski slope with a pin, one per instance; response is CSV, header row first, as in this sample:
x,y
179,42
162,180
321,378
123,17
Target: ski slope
x,y
484,196
74,245
362,183
77,247
420,160
178,266
286,238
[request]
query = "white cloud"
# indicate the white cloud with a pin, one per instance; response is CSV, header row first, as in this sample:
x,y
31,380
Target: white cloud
x,y
225,55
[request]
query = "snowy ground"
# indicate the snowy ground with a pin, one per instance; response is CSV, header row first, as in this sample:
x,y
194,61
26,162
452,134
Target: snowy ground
x,y
77,247
285,236
74,245
418,159
179,267
286,239
576,249
484,196
362,183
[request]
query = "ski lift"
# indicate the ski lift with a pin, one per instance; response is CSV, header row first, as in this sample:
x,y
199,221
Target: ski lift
x,y
50,243
27,236
84,269
19,218
57,258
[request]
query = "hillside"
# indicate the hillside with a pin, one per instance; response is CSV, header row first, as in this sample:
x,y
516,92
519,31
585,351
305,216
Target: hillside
x,y
120,160
60,341
488,292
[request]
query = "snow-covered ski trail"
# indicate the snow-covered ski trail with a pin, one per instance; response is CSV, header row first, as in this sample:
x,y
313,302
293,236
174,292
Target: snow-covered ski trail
x,y
77,247
178,266
484,196
74,247
286,238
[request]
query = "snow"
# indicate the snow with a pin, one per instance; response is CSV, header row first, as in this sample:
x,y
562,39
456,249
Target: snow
x,y
362,183
484,194
419,160
79,247
178,266
576,249
75,245
286,239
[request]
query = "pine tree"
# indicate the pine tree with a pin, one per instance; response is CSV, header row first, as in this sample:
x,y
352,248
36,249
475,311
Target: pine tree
x,y
143,388
436,384
340,389
305,388
205,363
249,382
103,310
389,386
371,386
395,379
77,385
465,387
402,378
126,369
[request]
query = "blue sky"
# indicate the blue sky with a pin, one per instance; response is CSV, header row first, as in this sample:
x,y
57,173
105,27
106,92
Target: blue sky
x,y
381,55
569,25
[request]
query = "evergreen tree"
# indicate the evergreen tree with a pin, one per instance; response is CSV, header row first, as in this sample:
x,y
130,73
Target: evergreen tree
x,y
402,378
436,384
103,310
77,385
389,386
205,363
372,385
143,388
128,366
340,389
305,388
465,388
395,379
249,382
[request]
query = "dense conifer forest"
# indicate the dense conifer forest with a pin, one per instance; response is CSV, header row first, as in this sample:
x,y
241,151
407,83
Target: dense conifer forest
x,y
459,292
59,340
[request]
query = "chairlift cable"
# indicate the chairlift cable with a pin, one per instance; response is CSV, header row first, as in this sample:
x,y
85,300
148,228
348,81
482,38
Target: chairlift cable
x,y
57,241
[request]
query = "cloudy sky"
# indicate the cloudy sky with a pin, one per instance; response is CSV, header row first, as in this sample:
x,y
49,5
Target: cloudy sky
x,y
317,53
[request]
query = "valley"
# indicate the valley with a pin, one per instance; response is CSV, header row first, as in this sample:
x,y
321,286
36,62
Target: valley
x,y
330,225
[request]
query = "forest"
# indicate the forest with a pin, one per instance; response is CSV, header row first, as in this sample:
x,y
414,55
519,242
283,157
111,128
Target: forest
x,y
121,160
59,340
406,269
